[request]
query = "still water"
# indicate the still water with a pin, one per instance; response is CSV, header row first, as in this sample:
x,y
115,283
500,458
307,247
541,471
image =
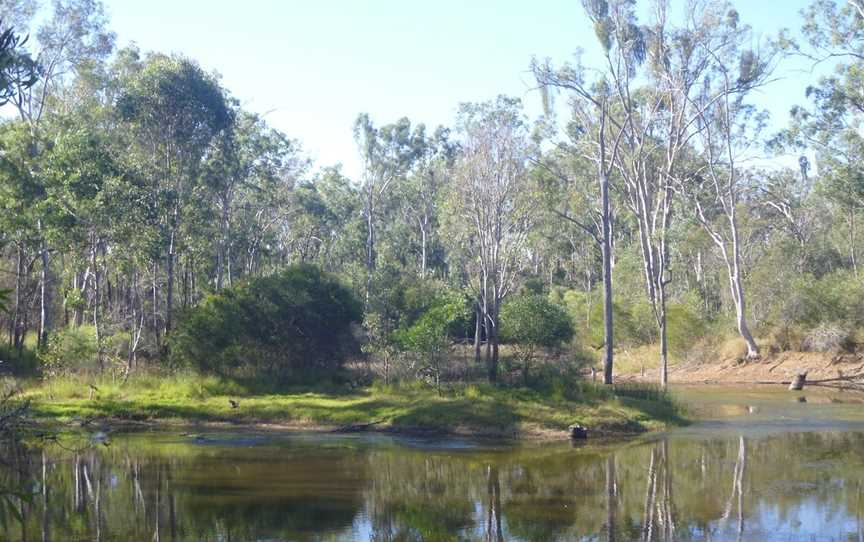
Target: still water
x,y
759,465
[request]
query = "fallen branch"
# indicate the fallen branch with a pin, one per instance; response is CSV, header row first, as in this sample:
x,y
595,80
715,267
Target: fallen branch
x,y
357,427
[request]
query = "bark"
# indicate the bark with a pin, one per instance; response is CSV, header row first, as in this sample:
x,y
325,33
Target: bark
x,y
169,291
607,279
478,322
221,253
100,360
852,255
736,283
44,295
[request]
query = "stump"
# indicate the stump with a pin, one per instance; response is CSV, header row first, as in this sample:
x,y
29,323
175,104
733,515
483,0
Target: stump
x,y
798,382
578,432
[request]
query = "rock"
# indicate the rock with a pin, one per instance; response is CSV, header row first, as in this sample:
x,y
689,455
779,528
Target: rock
x,y
578,432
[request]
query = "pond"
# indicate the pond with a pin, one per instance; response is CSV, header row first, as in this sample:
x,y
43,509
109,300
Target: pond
x,y
759,465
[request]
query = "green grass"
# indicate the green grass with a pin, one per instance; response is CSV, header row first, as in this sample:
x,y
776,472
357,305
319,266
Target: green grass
x,y
476,409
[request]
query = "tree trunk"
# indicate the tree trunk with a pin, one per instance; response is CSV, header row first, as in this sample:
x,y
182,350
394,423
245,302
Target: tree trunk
x,y
15,327
741,308
223,243
607,279
492,339
44,296
478,322
852,255
423,251
96,278
169,292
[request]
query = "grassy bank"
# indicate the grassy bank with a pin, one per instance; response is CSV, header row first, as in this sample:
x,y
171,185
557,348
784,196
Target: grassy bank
x,y
469,409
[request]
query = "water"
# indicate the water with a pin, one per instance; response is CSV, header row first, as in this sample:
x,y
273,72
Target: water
x,y
759,466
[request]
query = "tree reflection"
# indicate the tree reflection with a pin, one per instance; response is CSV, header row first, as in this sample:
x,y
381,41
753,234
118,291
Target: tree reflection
x,y
611,497
666,489
737,493
659,510
493,506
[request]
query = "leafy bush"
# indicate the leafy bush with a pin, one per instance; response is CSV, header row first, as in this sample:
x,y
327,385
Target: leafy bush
x,y
70,350
283,326
531,322
430,336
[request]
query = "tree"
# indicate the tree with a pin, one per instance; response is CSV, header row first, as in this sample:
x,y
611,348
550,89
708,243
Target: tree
x,y
829,128
599,136
531,322
491,203
716,73
73,36
431,334
176,110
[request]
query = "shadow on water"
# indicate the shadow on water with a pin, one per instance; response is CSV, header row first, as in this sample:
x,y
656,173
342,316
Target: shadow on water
x,y
696,484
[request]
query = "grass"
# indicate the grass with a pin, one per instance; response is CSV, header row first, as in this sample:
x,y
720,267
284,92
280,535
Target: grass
x,y
475,409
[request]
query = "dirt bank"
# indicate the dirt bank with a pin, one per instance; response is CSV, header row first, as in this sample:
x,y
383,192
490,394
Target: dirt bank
x,y
829,369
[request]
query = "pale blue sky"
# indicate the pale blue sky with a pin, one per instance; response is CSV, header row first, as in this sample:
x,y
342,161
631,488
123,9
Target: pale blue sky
x,y
313,65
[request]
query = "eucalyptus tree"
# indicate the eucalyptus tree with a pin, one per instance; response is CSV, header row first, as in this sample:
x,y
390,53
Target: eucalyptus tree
x,y
251,170
422,190
73,35
829,127
387,153
175,111
712,68
599,130
492,206
88,197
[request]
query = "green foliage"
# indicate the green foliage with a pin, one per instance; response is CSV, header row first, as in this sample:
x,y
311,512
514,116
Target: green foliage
x,y
534,320
531,322
430,336
836,297
431,333
284,326
70,350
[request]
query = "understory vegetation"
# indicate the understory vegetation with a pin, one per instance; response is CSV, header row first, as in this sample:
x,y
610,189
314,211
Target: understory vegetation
x,y
154,233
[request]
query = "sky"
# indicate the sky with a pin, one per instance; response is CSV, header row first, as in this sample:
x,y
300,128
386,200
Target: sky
x,y
311,66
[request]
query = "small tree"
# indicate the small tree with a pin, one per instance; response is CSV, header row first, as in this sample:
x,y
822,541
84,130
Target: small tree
x,y
430,335
531,322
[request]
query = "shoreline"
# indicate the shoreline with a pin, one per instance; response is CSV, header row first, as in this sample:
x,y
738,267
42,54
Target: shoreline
x,y
480,412
842,371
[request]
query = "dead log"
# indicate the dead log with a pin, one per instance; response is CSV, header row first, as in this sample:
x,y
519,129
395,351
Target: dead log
x,y
798,382
357,427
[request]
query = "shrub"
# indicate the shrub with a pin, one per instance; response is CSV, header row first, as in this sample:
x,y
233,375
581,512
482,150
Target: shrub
x,y
530,322
431,335
294,323
70,350
827,338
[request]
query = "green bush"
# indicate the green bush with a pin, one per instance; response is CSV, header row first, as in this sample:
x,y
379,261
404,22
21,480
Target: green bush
x,y
70,350
285,326
808,301
532,321
430,336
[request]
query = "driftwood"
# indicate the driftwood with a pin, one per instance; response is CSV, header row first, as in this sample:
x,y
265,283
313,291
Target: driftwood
x,y
357,427
797,383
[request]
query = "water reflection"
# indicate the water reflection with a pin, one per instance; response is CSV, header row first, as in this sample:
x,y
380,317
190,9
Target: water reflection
x,y
681,487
